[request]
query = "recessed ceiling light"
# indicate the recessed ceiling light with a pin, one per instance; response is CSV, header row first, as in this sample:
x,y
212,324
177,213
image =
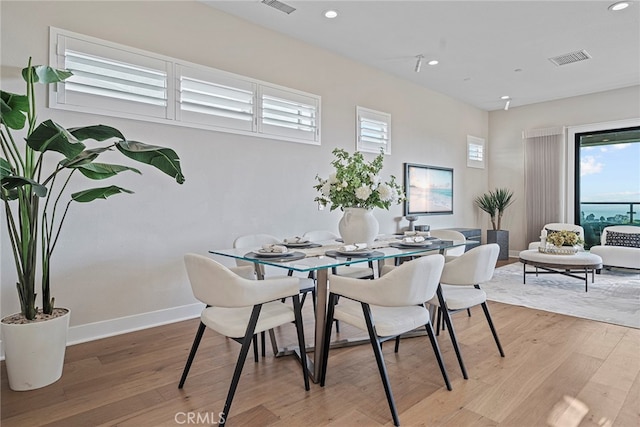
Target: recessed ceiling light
x,y
619,5
505,97
433,62
330,13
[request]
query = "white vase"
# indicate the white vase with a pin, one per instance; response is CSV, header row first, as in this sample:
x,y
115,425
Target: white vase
x,y
34,352
358,225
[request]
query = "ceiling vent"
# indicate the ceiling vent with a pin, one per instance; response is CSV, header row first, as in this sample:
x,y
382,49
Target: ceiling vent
x,y
569,58
279,6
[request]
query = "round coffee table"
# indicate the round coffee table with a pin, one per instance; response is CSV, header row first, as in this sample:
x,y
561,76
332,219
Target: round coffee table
x,y
568,265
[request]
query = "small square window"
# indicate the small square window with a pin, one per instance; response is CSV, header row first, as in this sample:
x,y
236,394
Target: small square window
x,y
475,152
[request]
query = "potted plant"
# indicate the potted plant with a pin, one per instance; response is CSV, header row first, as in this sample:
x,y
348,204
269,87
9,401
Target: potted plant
x,y
35,169
356,188
494,203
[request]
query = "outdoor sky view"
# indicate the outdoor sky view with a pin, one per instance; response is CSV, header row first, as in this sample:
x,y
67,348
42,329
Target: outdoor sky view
x,y
610,173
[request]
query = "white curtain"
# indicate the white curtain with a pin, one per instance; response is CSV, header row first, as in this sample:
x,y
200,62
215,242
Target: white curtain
x,y
544,174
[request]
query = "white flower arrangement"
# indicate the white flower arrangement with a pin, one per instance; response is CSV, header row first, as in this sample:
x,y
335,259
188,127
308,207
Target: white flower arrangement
x,y
357,184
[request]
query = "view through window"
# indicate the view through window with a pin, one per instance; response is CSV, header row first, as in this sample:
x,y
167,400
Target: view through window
x,y
607,180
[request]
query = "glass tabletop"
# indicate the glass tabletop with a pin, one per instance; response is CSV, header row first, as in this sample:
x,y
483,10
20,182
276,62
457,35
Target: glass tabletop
x,y
312,259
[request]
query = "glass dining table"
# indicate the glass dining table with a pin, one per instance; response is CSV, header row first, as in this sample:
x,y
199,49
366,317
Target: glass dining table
x,y
320,258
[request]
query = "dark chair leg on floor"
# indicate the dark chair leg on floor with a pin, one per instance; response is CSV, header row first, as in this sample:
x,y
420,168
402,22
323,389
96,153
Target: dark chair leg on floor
x,y
255,348
246,342
436,350
192,353
377,351
397,346
438,321
469,312
493,329
263,338
327,338
297,309
452,332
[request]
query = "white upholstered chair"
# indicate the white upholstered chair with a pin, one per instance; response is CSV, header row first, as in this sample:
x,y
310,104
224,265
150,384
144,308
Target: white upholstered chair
x,y
460,290
239,308
559,226
450,235
387,307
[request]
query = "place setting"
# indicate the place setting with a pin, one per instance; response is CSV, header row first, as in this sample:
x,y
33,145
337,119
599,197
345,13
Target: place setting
x,y
299,242
414,239
356,250
274,252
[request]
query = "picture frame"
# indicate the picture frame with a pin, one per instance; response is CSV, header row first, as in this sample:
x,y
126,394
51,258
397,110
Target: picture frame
x,y
428,190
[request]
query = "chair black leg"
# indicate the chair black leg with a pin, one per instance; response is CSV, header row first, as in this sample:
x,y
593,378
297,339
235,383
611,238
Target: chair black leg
x,y
192,353
397,346
436,350
493,329
438,321
469,312
255,348
297,309
377,350
246,342
263,338
333,298
452,332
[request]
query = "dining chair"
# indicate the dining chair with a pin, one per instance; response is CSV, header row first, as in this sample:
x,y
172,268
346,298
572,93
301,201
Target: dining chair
x,y
460,290
239,308
386,307
443,234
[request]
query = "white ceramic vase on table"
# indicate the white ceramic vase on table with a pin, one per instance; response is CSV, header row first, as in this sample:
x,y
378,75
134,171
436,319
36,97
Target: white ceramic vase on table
x,y
358,225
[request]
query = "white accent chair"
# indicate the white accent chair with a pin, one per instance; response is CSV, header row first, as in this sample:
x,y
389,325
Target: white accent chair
x,y
239,308
612,251
460,290
559,226
450,253
387,307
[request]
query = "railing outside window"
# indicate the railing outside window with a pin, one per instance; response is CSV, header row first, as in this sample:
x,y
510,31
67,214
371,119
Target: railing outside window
x,y
594,216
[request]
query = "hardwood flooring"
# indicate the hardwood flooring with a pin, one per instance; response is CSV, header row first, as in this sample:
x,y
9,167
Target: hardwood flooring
x,y
554,365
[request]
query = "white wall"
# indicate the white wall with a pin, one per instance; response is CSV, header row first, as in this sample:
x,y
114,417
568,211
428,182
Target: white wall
x,y
123,257
506,150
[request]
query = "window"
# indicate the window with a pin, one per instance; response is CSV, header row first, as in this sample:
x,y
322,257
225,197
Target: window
x,y
120,81
475,152
373,131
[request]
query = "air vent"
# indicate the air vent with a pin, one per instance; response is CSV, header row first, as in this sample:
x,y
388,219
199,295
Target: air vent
x,y
279,5
569,58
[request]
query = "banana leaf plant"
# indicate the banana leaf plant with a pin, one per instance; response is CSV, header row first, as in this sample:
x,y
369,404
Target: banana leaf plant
x,y
35,201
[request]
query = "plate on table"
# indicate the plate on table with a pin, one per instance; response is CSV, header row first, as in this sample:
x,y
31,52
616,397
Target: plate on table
x,y
416,244
262,254
297,245
359,252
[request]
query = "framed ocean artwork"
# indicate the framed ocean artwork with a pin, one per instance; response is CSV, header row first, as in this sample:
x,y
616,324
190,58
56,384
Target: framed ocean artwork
x,y
428,190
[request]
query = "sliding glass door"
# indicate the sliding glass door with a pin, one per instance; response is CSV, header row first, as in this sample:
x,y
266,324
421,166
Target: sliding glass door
x,y
607,180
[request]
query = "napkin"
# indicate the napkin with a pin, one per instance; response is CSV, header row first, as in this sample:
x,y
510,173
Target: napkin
x,y
354,247
418,233
413,239
274,248
296,239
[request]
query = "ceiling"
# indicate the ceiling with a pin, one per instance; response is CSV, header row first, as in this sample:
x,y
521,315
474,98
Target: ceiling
x,y
485,49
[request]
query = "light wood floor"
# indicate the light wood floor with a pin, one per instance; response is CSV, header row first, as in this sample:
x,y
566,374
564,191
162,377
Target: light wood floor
x,y
551,361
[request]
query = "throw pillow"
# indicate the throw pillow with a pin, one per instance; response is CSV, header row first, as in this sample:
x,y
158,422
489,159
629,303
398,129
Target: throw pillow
x,y
615,238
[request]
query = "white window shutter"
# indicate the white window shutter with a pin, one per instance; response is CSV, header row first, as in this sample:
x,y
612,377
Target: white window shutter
x,y
373,131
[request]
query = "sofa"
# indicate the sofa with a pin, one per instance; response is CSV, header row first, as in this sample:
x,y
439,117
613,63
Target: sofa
x,y
619,246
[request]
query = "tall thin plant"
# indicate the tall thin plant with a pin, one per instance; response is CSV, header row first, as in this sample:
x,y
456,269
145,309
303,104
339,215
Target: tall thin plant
x,y
33,196
494,203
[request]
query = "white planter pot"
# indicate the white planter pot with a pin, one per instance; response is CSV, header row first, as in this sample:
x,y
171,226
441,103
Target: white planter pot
x,y
358,225
34,352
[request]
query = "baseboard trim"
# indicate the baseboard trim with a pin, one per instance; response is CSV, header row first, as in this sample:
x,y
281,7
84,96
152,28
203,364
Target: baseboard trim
x,y
122,325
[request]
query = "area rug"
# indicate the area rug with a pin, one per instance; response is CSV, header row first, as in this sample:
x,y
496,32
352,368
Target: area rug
x,y
613,298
